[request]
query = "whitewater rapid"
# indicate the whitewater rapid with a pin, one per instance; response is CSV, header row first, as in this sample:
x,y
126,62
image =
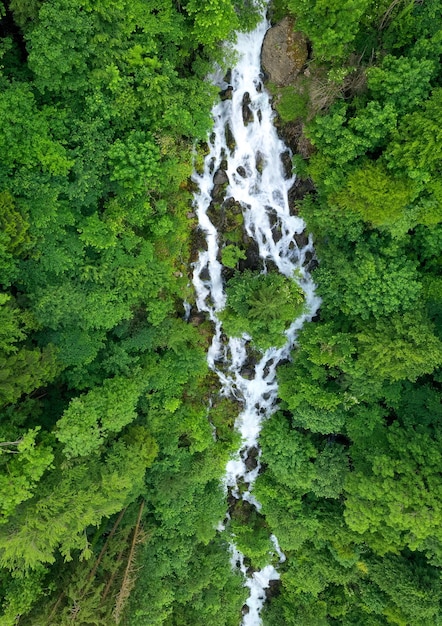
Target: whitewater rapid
x,y
245,145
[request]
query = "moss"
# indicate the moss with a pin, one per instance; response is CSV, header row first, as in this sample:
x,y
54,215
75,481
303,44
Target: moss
x,y
291,105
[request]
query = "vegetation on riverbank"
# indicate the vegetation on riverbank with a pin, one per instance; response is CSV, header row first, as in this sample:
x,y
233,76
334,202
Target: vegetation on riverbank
x,y
107,456
352,486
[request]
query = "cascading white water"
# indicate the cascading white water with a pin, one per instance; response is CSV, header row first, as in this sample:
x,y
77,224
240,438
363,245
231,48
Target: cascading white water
x,y
257,180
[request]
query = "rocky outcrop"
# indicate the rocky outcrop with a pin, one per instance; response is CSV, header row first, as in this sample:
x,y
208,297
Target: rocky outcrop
x,y
284,52
294,137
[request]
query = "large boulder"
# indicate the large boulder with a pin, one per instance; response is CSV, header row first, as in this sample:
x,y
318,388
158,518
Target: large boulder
x,y
284,52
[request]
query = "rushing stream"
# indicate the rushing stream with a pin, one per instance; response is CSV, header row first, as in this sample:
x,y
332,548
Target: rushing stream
x,y
244,144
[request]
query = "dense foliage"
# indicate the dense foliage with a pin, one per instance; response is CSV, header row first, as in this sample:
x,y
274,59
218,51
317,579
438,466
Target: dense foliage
x,y
106,451
261,306
352,485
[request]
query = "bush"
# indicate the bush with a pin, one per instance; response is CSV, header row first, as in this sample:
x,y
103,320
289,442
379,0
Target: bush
x,y
261,306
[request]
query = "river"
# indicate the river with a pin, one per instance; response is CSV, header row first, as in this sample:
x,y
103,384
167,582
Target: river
x,y
246,152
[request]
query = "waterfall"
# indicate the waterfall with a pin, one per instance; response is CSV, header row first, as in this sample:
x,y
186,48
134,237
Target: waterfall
x,y
245,146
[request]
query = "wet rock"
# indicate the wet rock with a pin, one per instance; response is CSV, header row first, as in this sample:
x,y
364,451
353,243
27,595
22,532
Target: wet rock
x,y
229,220
226,272
226,94
284,52
204,274
252,459
248,565
317,316
275,224
233,230
230,139
286,164
247,114
241,171
273,216
301,187
247,373
220,177
301,239
267,369
293,134
216,213
232,501
277,235
312,265
232,205
252,261
198,242
298,191
308,257
271,266
253,356
220,182
217,193
274,589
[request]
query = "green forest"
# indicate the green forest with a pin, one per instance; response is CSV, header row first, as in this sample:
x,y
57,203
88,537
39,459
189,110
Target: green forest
x,y
110,477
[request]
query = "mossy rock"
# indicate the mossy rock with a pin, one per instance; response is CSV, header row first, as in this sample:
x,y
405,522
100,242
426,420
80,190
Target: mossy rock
x,y
284,52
